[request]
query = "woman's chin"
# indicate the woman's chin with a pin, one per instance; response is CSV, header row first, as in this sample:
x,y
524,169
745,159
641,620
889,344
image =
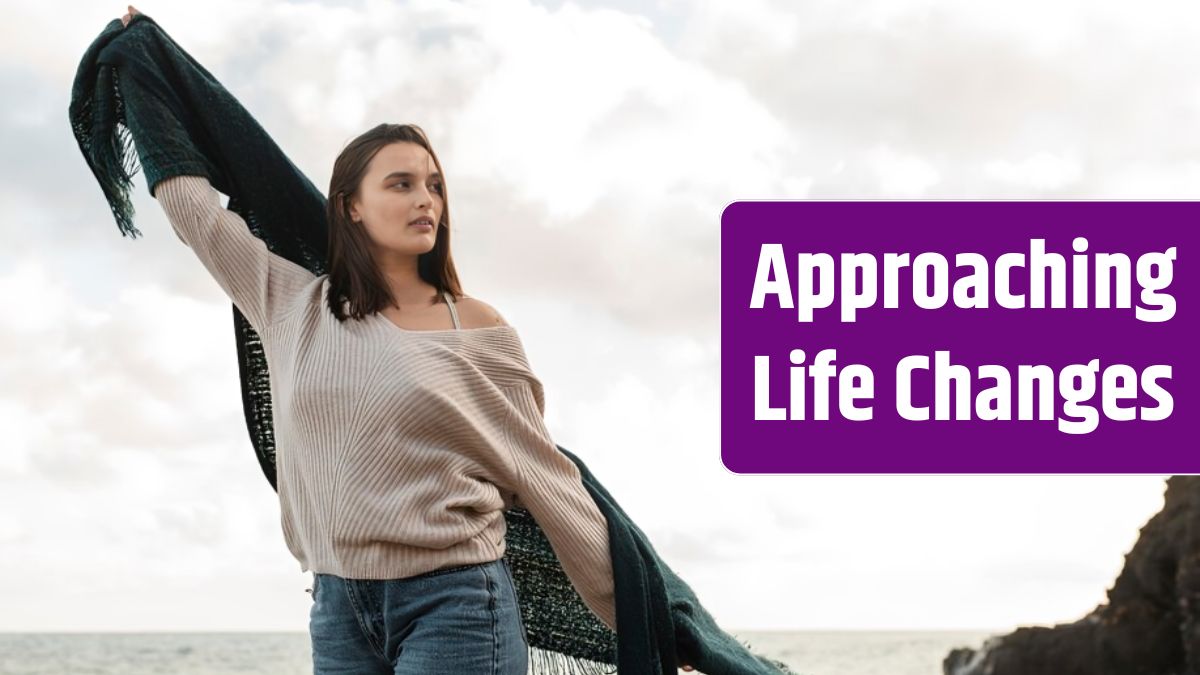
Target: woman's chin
x,y
415,245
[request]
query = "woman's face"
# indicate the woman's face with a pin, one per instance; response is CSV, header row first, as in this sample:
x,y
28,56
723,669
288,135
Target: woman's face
x,y
400,187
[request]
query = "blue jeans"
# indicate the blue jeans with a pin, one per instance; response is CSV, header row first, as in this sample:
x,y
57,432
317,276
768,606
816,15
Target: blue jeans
x,y
455,621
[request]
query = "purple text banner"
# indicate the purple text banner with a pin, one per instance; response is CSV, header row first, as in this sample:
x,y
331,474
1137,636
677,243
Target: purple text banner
x,y
959,337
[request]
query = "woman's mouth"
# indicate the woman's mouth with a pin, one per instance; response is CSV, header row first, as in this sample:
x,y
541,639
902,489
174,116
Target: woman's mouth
x,y
423,224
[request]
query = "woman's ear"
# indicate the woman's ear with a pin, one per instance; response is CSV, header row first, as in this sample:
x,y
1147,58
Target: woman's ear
x,y
342,202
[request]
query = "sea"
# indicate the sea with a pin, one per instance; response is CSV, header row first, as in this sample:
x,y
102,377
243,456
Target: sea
x,y
806,652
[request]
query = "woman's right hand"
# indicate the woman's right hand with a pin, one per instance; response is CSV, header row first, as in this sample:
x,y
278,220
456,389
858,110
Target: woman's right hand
x,y
128,17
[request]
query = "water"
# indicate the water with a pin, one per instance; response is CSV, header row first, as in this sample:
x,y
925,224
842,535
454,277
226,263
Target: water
x,y
158,653
861,653
807,652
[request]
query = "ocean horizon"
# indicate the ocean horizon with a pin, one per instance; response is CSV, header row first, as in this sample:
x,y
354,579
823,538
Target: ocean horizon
x,y
289,653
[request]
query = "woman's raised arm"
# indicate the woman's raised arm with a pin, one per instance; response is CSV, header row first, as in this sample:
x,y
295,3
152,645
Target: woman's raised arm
x,y
262,284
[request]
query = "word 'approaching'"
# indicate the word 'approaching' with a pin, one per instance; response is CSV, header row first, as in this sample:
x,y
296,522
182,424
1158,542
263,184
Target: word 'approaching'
x,y
977,282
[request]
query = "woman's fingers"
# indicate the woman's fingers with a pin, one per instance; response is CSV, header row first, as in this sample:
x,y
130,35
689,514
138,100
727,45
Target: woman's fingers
x,y
129,16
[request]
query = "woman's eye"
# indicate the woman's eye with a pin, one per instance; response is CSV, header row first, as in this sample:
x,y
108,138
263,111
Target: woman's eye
x,y
437,187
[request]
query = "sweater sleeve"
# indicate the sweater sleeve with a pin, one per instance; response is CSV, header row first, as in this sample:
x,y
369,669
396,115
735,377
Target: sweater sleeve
x,y
258,281
550,487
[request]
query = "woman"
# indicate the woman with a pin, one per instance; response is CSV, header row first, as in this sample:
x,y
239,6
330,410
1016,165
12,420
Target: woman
x,y
406,419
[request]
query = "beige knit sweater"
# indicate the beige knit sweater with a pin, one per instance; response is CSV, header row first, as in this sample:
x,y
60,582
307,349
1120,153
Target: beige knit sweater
x,y
396,450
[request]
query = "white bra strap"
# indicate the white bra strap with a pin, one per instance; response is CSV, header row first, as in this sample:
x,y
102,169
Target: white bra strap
x,y
453,309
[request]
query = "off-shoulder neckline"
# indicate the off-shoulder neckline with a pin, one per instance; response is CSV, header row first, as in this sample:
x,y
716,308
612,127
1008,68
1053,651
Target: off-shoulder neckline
x,y
443,331
482,330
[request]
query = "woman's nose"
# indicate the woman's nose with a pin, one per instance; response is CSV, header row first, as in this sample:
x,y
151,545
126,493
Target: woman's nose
x,y
424,197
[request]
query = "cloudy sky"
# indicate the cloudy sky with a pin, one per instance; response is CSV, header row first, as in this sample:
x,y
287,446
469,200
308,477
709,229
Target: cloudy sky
x,y
591,148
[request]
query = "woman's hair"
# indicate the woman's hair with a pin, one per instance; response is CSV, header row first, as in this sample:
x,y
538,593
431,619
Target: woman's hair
x,y
354,275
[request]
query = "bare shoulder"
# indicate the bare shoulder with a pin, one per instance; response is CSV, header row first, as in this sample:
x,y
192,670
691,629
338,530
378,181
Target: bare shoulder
x,y
475,313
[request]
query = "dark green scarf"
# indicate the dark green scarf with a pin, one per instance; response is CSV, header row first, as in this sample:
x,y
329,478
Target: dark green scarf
x,y
136,89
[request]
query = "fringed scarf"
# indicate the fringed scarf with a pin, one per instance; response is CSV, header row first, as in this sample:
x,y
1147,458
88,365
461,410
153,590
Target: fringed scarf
x,y
138,96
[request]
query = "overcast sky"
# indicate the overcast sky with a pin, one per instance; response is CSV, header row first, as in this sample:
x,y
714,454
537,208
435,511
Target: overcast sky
x,y
590,148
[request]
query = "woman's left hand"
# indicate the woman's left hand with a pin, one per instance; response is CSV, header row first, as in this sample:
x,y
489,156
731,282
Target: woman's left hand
x,y
129,17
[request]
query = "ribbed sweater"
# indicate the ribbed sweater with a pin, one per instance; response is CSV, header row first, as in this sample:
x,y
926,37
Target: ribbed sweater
x,y
397,450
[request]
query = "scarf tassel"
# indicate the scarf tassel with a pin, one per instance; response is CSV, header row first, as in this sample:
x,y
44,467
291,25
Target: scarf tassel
x,y
100,128
557,663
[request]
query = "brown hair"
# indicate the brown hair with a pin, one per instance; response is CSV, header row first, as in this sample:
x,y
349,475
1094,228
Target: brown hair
x,y
354,276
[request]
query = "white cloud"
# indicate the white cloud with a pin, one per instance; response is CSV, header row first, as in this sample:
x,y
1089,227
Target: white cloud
x,y
902,175
1039,171
958,85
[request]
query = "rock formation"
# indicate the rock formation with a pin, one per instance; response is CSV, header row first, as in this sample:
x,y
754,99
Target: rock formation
x,y
1149,625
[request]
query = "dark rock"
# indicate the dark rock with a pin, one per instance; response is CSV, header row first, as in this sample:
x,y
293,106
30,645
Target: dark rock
x,y
1150,624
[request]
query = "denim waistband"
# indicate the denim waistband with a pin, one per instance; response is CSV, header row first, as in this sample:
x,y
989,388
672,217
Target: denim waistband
x,y
431,573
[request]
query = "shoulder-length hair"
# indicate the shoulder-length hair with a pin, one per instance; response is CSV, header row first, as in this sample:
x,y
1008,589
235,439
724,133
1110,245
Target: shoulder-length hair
x,y
356,284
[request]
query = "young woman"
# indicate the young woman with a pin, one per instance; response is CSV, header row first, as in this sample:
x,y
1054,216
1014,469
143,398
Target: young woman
x,y
406,420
